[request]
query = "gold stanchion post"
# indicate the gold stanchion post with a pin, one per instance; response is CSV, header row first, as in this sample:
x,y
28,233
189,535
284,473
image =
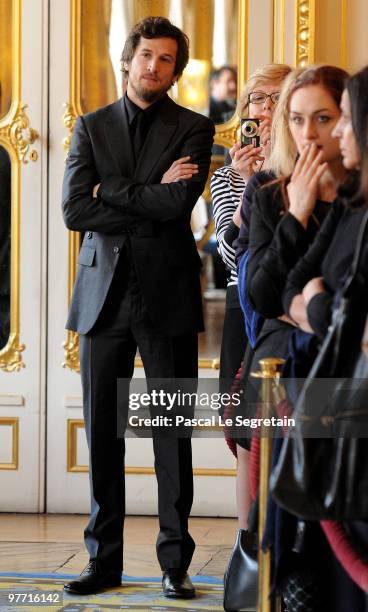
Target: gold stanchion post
x,y
270,374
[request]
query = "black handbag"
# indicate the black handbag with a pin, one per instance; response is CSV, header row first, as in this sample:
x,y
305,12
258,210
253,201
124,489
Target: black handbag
x,y
241,577
322,472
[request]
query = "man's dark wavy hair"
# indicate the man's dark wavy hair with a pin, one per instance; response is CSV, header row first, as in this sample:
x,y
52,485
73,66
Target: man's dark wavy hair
x,y
156,27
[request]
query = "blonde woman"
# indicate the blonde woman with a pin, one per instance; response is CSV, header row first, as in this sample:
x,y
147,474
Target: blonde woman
x,y
257,100
287,214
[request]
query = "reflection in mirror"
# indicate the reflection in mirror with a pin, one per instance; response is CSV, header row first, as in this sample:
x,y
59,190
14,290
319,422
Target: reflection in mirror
x,y
223,88
5,228
6,31
211,25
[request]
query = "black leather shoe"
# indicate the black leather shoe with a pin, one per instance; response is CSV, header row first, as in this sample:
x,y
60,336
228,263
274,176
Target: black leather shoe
x,y
177,584
92,580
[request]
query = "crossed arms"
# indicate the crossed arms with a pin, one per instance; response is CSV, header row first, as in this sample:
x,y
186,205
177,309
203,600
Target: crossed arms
x,y
122,201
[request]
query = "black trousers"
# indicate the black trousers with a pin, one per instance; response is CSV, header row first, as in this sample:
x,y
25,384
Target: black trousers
x,y
106,354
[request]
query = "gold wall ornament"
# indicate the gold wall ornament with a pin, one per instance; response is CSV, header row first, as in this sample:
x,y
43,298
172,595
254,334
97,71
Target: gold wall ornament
x,y
71,353
227,133
21,134
69,119
11,354
305,32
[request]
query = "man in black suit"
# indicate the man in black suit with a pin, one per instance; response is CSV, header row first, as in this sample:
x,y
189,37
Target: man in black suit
x,y
135,170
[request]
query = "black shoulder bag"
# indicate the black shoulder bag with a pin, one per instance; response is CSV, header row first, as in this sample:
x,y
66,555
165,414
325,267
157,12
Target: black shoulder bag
x,y
322,472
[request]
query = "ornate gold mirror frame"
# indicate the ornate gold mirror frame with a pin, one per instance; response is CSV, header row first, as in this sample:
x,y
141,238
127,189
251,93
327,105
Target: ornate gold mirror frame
x,y
16,136
305,32
225,135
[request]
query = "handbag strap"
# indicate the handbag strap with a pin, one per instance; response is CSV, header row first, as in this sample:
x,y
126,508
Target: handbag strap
x,y
357,255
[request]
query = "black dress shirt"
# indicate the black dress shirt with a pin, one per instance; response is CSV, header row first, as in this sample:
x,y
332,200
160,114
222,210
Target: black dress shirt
x,y
140,121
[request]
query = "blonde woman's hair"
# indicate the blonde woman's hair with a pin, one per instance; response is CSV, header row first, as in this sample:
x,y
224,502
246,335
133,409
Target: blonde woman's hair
x,y
283,148
271,73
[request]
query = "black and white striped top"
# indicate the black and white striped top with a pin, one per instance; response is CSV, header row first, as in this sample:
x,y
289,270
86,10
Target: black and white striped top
x,y
227,188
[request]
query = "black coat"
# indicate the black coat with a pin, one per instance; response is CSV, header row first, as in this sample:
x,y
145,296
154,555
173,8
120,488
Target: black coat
x,y
133,204
330,256
276,241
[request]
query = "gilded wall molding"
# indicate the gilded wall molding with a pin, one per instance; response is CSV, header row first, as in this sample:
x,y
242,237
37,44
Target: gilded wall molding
x,y
279,31
71,345
73,109
305,32
11,354
12,422
73,466
16,136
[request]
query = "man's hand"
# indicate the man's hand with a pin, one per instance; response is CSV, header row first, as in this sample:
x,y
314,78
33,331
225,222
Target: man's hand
x,y
179,170
95,190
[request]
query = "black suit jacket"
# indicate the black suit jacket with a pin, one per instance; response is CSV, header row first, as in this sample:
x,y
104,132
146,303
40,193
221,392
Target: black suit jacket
x,y
132,201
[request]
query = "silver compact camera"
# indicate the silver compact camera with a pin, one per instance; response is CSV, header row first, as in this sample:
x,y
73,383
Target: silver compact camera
x,y
249,132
